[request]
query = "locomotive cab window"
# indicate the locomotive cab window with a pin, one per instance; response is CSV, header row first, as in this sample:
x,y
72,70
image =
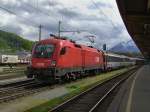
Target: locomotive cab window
x,y
63,51
44,50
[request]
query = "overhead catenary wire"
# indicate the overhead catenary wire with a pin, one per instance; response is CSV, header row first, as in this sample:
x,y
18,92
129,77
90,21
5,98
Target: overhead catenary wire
x,y
23,18
106,16
45,13
27,19
37,9
112,23
110,20
13,13
7,10
31,6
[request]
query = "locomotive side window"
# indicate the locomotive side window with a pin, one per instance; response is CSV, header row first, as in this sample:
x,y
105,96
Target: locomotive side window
x,y
44,51
114,59
63,51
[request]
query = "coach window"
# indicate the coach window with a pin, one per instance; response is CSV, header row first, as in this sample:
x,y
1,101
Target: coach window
x,y
63,51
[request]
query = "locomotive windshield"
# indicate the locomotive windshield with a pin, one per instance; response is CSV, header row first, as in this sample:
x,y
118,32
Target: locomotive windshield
x,y
43,51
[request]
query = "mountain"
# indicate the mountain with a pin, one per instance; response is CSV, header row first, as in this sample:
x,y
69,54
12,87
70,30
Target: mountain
x,y
10,42
125,47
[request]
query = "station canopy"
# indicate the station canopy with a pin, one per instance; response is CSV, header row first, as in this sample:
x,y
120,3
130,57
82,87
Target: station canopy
x,y
136,16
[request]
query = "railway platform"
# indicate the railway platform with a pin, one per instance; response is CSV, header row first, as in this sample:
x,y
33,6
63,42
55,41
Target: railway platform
x,y
134,96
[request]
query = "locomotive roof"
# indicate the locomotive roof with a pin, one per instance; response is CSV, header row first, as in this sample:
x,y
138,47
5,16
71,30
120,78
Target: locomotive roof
x,y
50,40
67,42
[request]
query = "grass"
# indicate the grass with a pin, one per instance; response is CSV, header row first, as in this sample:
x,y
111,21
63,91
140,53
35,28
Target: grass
x,y
10,43
76,88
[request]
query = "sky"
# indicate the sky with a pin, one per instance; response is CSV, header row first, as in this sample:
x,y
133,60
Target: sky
x,y
98,18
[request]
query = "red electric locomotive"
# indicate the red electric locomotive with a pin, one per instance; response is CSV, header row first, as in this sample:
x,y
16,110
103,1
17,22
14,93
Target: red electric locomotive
x,y
57,58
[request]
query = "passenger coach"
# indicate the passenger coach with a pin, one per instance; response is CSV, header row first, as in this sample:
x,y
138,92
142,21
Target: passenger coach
x,y
115,61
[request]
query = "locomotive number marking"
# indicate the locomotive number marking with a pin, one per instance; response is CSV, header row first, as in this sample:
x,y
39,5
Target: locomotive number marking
x,y
40,64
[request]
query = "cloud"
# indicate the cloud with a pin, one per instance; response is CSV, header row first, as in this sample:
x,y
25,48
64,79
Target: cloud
x,y
103,21
68,13
100,4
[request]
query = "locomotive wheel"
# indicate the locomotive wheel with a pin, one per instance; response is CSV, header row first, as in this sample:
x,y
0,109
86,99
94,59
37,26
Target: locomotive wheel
x,y
78,75
96,72
73,76
65,78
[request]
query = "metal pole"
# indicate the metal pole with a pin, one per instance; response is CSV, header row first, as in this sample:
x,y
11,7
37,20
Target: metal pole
x,y
59,28
40,27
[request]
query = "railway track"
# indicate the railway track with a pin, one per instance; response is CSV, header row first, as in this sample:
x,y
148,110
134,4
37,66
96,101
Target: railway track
x,y
20,89
15,84
90,100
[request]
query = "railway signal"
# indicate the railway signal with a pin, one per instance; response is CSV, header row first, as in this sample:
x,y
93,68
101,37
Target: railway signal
x,y
104,47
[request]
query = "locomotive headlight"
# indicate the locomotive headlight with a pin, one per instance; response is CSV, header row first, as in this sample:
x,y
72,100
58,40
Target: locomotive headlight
x,y
53,63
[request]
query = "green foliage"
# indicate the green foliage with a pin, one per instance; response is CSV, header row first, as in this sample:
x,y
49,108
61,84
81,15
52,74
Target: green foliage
x,y
11,42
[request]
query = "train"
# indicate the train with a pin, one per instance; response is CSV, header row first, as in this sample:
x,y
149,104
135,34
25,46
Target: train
x,y
61,59
8,59
115,61
13,60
